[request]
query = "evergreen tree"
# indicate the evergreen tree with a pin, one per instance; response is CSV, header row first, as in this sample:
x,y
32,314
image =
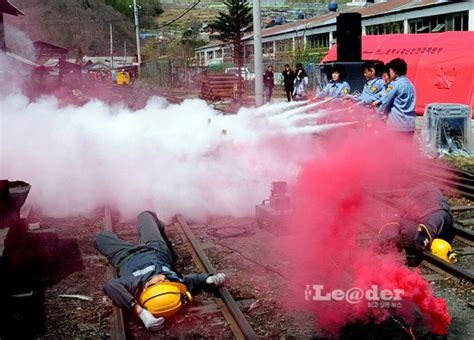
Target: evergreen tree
x,y
231,26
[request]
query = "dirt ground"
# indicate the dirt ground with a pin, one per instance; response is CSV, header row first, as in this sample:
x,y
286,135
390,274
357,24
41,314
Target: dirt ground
x,y
76,307
235,246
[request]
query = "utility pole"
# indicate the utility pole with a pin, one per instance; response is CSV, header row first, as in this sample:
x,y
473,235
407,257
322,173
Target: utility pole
x,y
125,52
258,58
137,33
111,49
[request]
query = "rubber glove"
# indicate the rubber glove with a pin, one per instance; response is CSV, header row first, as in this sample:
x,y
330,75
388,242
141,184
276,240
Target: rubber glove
x,y
216,280
151,323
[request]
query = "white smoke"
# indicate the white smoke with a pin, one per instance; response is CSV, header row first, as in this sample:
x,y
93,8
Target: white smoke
x,y
20,42
172,159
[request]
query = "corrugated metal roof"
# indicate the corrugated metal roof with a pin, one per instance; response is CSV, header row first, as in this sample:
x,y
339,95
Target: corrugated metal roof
x,y
295,26
366,11
393,6
8,8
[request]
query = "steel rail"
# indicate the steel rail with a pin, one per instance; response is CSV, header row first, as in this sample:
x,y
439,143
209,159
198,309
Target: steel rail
x,y
117,323
464,235
448,267
245,330
462,208
460,184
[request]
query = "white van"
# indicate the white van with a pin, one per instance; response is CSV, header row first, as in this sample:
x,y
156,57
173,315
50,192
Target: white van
x,y
246,75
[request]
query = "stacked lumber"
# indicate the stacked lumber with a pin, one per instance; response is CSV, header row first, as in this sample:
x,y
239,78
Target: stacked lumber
x,y
217,86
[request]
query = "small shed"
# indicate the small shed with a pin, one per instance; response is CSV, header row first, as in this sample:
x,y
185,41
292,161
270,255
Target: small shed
x,y
45,51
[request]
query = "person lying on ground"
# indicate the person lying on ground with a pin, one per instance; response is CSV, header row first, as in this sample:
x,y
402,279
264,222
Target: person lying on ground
x,y
424,215
147,281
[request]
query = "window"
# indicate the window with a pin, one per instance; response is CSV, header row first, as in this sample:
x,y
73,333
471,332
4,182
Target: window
x,y
283,46
440,23
438,28
268,47
317,41
387,28
219,53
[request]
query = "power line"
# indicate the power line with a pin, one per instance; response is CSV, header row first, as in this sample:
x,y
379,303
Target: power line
x,y
181,15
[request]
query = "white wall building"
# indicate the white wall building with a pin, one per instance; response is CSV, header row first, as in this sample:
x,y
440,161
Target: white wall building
x,y
381,17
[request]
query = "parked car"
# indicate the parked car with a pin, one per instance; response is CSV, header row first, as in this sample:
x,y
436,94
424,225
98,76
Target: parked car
x,y
246,74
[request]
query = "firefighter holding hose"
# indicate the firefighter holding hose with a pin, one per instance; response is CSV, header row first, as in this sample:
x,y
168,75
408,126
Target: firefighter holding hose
x,y
147,282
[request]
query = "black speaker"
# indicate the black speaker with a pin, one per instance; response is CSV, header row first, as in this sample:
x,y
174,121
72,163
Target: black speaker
x,y
349,32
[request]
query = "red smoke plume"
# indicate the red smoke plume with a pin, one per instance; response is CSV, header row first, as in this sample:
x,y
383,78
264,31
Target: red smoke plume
x,y
335,203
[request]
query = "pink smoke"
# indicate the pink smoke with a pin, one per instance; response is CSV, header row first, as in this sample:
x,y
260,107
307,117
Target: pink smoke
x,y
335,204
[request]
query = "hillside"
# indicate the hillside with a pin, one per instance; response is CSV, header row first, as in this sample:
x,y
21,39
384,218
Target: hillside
x,y
82,26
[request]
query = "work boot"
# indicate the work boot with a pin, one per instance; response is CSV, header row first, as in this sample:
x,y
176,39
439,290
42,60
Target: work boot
x,y
412,254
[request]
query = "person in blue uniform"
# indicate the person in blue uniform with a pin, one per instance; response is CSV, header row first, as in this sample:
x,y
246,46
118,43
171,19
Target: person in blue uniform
x,y
399,102
337,87
385,74
373,82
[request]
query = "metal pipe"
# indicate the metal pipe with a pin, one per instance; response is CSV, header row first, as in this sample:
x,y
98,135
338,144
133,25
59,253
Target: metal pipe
x,y
225,294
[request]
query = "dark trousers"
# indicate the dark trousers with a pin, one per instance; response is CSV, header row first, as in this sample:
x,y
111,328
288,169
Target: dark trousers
x,y
289,92
439,224
268,93
151,232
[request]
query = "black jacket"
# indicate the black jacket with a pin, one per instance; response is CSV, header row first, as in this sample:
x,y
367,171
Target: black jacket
x,y
289,78
268,79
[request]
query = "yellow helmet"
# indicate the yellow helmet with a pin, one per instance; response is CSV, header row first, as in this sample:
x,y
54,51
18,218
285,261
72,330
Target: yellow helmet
x,y
165,298
443,250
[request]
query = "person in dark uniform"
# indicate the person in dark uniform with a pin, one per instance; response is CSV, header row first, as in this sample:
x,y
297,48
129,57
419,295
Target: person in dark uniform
x,y
147,282
289,81
269,82
424,215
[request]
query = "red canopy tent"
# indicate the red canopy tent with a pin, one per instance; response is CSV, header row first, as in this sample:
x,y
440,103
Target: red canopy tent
x,y
440,65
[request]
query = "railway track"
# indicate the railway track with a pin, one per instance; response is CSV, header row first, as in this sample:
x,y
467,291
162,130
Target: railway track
x,y
235,320
461,183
